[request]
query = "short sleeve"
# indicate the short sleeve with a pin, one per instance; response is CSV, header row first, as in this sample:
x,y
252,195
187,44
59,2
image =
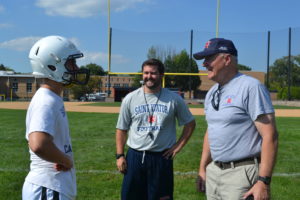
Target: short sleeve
x,y
42,119
259,101
184,114
124,119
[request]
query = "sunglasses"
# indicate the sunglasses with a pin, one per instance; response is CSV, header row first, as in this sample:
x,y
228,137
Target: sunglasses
x,y
215,102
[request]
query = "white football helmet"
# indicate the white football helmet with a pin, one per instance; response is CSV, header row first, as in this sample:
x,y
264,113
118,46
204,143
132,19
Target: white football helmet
x,y
48,58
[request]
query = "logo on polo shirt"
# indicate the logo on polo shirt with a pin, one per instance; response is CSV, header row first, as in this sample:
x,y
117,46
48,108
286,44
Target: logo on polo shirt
x,y
229,100
151,119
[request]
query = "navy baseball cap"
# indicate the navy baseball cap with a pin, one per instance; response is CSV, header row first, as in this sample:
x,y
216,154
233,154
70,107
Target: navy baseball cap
x,y
216,45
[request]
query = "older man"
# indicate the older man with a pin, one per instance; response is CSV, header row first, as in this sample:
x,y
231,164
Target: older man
x,y
240,143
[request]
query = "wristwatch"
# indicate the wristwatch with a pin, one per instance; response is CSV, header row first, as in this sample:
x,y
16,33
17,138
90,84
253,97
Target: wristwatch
x,y
265,179
120,155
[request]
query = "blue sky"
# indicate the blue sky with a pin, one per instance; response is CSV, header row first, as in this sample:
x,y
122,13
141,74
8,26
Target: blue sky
x,y
139,24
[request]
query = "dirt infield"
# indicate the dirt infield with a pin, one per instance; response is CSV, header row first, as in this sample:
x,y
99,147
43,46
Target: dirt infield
x,y
78,107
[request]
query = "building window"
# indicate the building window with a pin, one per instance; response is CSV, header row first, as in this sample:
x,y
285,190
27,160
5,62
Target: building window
x,y
107,85
125,85
29,87
117,85
15,87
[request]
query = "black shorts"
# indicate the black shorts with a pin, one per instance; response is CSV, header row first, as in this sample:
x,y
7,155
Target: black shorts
x,y
149,176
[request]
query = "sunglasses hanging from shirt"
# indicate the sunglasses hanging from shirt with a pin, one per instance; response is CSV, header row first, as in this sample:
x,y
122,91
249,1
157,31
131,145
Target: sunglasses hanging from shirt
x,y
216,97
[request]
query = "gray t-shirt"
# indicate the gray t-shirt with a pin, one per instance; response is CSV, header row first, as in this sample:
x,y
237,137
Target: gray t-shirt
x,y
158,132
232,134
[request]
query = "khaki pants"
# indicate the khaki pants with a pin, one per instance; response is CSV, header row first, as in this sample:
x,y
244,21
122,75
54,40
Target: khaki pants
x,y
229,184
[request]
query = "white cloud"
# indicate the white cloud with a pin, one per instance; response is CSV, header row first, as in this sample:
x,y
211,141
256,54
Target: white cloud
x,y
119,59
85,8
20,44
3,26
1,9
120,5
100,58
25,43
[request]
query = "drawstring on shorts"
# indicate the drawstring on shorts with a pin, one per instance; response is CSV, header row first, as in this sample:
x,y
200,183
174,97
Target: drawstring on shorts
x,y
144,153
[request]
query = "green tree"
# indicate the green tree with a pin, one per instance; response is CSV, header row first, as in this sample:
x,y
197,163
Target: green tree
x,y
95,69
160,53
278,77
137,80
4,68
94,83
180,63
279,72
92,86
244,67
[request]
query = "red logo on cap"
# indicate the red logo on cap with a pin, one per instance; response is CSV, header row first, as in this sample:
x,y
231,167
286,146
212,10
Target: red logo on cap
x,y
207,44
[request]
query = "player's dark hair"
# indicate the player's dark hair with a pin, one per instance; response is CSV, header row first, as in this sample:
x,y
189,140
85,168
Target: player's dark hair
x,y
154,62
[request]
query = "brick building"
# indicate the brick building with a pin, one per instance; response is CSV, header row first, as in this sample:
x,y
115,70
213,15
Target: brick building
x,y
23,86
206,83
20,86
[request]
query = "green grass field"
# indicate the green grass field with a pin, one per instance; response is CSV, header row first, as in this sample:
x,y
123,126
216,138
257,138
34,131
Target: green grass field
x,y
117,104
94,150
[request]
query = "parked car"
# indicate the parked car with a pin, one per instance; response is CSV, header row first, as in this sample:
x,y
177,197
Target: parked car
x,y
99,96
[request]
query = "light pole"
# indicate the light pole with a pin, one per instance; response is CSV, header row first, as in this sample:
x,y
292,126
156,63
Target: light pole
x,y
217,18
109,51
109,56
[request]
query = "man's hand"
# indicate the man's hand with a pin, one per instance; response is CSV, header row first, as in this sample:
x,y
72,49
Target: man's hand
x,y
64,167
171,153
200,183
260,191
122,165
60,167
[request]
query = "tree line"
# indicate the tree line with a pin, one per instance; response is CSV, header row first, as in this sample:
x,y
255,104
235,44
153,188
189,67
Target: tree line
x,y
181,63
279,77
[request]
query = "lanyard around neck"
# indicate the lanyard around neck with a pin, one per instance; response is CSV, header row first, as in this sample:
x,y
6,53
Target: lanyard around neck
x,y
150,117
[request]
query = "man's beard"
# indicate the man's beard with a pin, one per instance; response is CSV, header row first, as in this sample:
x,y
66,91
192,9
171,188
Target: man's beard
x,y
155,85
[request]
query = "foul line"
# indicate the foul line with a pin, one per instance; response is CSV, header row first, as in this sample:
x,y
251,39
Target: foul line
x,y
293,174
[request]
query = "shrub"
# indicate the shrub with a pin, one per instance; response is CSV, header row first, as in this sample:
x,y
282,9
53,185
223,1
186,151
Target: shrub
x,y
283,93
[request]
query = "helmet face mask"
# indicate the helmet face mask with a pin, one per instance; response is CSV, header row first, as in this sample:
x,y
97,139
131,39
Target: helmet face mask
x,y
75,75
50,58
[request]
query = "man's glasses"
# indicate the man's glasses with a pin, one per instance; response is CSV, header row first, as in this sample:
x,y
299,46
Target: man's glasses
x,y
209,59
215,102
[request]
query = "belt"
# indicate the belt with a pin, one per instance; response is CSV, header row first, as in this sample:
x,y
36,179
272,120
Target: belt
x,y
237,163
150,152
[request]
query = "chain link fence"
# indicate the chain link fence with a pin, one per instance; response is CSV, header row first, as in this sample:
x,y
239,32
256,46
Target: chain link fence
x,y
129,49
257,50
